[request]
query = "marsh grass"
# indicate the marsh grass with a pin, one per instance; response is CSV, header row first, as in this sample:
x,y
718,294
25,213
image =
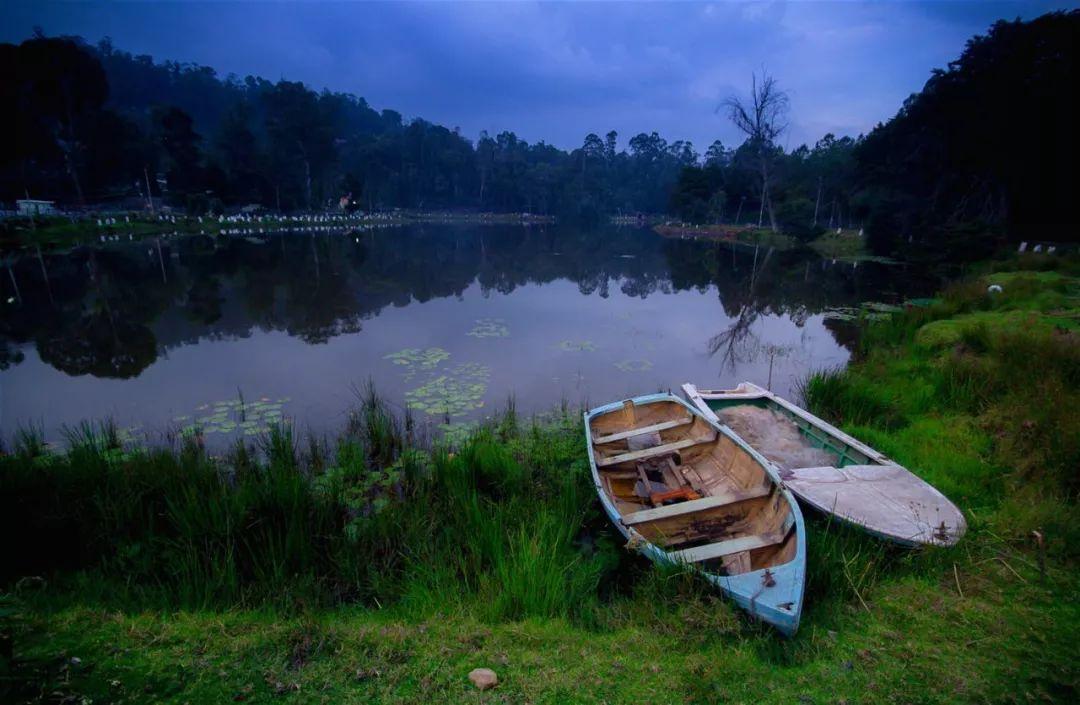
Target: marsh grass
x,y
372,517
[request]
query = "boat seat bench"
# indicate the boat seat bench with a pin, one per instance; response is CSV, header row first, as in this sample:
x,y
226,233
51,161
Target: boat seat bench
x,y
696,505
642,431
651,452
731,546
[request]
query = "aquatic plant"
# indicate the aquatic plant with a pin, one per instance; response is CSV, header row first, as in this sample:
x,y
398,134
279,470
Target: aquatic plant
x,y
634,365
415,359
227,416
576,346
848,313
456,393
455,433
489,328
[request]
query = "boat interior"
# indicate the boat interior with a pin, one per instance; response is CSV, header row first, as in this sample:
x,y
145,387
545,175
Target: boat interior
x,y
691,490
786,439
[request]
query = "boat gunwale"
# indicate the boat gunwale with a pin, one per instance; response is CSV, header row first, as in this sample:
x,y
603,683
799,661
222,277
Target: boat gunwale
x,y
693,392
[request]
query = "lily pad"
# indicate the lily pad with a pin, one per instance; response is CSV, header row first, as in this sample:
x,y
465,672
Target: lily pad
x,y
879,307
634,365
456,393
427,359
235,415
457,432
577,346
415,359
489,328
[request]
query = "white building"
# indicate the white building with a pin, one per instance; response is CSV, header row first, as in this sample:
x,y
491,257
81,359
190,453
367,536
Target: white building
x,y
31,206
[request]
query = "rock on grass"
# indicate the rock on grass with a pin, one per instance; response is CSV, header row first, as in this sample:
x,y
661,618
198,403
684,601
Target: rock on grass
x,y
483,678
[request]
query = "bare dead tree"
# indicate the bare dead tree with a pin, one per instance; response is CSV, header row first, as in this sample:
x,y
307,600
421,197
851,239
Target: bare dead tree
x,y
762,120
737,343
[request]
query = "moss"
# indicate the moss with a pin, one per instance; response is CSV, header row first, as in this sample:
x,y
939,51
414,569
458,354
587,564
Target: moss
x,y
951,331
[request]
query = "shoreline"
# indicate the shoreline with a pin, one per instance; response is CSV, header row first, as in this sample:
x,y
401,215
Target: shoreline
x,y
18,234
410,565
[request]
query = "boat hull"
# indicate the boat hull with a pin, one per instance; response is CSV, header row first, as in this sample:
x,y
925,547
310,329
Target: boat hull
x,y
772,595
864,487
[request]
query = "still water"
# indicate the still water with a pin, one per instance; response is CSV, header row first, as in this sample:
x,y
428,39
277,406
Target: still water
x,y
233,333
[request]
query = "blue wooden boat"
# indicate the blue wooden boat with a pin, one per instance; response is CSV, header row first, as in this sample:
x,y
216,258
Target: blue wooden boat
x,y
832,472
685,490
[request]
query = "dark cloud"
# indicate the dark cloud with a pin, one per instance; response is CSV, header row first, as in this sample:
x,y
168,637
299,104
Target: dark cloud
x,y
558,71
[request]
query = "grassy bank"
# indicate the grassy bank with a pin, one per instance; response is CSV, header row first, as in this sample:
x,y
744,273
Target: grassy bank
x,y
739,234
846,245
377,568
56,231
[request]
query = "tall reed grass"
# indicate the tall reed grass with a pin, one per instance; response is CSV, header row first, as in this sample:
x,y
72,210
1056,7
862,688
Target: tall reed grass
x,y
374,517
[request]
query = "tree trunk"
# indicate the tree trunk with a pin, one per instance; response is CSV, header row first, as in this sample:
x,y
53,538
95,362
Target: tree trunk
x,y
768,196
69,146
307,182
69,162
761,210
817,202
149,193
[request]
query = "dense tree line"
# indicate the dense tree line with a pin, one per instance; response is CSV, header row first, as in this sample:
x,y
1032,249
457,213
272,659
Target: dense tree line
x,y
987,150
98,125
987,146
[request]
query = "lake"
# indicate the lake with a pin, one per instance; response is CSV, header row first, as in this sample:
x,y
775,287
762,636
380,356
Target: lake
x,y
233,333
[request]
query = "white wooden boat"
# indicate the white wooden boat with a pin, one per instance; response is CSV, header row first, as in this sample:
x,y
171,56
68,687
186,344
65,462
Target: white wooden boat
x,y
682,489
831,471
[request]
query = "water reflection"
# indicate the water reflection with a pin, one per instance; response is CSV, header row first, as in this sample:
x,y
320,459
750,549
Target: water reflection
x,y
116,311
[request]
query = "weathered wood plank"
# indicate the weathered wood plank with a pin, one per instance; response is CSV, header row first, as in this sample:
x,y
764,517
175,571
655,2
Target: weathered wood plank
x,y
598,440
696,505
737,563
726,548
650,452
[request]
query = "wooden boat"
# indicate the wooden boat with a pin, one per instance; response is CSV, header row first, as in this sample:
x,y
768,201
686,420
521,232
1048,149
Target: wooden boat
x,y
831,471
682,489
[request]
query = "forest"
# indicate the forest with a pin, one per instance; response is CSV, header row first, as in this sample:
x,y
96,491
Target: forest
x,y
984,153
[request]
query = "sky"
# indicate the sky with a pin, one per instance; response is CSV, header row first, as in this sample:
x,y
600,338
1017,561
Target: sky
x,y
558,71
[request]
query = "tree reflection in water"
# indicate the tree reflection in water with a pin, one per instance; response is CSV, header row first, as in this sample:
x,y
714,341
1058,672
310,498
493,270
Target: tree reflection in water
x,y
109,310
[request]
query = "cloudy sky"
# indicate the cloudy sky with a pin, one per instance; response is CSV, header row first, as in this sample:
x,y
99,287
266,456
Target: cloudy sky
x,y
556,72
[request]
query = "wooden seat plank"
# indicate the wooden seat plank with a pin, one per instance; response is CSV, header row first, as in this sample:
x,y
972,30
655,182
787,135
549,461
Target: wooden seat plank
x,y
610,438
727,548
695,505
651,452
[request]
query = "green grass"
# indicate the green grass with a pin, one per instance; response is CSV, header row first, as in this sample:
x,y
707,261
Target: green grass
x,y
375,568
738,234
848,246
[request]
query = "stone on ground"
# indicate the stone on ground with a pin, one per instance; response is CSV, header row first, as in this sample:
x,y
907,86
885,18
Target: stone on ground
x,y
483,678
